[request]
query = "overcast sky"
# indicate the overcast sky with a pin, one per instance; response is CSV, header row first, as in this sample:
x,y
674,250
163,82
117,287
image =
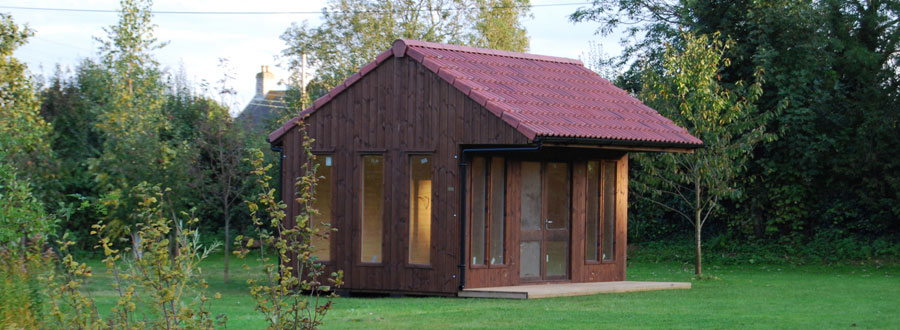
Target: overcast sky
x,y
247,41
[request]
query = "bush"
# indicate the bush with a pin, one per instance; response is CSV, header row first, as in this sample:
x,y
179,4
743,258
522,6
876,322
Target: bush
x,y
282,294
827,247
153,282
21,297
23,227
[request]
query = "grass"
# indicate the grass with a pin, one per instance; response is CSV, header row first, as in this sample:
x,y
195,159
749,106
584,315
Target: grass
x,y
743,296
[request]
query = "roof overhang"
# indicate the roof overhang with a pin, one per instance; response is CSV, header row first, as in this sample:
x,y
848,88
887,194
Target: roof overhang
x,y
607,144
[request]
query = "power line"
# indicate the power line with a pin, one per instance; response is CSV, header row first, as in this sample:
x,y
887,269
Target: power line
x,y
36,38
173,12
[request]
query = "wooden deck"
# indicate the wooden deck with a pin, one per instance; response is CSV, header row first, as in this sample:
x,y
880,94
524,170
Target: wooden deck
x,y
569,289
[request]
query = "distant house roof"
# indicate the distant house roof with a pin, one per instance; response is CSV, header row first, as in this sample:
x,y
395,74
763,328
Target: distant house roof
x,y
260,110
540,96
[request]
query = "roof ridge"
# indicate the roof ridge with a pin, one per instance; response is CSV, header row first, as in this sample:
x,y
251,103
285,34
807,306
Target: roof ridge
x,y
510,64
487,51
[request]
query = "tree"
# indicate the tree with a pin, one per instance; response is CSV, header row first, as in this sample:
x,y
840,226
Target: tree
x,y
498,25
353,32
23,132
222,167
832,69
688,91
23,137
24,222
132,122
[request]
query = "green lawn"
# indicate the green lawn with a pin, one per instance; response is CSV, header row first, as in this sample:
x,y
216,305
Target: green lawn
x,y
757,296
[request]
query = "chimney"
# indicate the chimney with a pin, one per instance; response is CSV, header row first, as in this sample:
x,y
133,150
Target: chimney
x,y
265,80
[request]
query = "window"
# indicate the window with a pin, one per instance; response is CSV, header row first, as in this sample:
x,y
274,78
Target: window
x,y
488,211
592,224
607,247
420,209
372,206
600,225
497,200
322,221
479,209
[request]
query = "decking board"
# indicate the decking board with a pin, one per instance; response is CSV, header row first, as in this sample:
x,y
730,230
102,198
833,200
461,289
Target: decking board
x,y
569,289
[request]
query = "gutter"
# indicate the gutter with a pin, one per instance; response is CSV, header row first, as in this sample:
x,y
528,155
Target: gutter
x,y
462,200
610,142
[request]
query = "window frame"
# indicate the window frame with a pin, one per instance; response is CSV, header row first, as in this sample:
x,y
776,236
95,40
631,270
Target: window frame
x,y
488,213
615,217
409,156
598,200
331,236
361,204
601,210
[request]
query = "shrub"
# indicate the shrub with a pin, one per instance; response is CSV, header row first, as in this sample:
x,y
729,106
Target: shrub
x,y
23,227
289,294
159,285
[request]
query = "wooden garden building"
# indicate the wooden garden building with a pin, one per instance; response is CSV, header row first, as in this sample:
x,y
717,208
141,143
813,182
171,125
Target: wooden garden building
x,y
447,167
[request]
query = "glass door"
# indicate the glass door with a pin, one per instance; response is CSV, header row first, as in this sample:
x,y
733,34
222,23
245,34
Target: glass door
x,y
556,221
544,241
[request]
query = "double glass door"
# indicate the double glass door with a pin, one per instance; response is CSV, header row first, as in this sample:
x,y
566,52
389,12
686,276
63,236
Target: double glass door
x,y
544,241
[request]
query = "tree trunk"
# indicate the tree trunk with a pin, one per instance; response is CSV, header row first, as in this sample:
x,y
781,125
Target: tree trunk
x,y
698,226
227,241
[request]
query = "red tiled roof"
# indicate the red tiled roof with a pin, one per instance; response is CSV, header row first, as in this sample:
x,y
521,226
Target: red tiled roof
x,y
540,96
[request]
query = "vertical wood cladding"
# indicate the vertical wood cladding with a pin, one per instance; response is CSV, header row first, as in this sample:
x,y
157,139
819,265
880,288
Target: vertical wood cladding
x,y
402,109
399,109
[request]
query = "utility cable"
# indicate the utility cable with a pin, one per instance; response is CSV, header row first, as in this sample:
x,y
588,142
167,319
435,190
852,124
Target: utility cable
x,y
175,12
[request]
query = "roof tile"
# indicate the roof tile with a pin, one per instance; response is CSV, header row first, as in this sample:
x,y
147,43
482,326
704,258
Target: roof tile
x,y
322,100
383,56
351,79
463,86
368,67
495,108
416,54
537,95
447,75
338,89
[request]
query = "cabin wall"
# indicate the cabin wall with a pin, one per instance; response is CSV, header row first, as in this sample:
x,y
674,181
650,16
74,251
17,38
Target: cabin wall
x,y
583,271
398,109
579,269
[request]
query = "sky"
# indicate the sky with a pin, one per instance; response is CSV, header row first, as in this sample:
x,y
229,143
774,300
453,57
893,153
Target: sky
x,y
197,42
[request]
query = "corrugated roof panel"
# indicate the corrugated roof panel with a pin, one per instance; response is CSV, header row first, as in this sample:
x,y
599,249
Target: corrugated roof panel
x,y
546,96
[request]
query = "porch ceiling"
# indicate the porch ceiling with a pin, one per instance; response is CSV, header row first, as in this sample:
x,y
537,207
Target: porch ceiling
x,y
569,289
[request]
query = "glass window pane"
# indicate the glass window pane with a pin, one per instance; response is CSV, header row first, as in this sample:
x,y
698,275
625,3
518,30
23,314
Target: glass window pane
x,y
530,255
609,211
372,205
322,221
592,225
420,209
557,195
498,211
557,258
479,185
531,196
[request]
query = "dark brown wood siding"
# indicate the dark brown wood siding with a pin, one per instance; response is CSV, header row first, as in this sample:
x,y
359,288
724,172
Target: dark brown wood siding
x,y
400,108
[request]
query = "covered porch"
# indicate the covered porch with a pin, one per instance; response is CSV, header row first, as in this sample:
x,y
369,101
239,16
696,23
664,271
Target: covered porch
x,y
569,289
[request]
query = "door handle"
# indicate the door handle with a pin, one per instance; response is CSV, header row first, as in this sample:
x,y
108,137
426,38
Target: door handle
x,y
548,221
